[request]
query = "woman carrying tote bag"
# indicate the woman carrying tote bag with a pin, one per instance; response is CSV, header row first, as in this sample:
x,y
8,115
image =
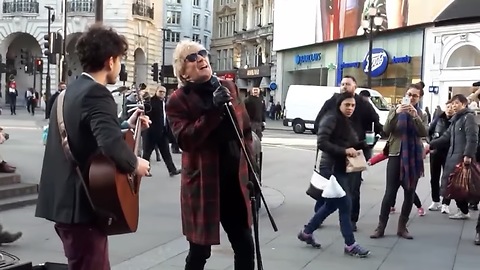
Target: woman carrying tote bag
x,y
337,140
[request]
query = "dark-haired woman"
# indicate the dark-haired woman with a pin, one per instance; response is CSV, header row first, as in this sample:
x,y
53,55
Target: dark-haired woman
x,y
405,127
462,136
337,140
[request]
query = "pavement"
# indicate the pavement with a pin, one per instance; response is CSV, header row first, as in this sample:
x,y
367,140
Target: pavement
x,y
439,243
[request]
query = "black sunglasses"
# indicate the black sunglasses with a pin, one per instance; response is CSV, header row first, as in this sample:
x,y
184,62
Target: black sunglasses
x,y
194,56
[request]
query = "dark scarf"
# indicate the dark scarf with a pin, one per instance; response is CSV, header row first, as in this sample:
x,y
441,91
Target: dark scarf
x,y
411,150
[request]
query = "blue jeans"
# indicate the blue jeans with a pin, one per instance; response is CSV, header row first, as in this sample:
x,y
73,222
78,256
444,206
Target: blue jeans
x,y
325,171
331,205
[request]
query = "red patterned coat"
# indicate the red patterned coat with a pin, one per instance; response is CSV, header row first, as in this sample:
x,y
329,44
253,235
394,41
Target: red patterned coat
x,y
200,195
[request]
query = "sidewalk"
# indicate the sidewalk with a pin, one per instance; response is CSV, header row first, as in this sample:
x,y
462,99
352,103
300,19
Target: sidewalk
x,y
276,125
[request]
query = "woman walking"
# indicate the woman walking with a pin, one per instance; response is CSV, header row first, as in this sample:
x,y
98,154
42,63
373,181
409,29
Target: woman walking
x,y
337,140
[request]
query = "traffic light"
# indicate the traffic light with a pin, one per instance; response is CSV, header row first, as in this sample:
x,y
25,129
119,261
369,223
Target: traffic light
x,y
24,57
49,39
39,65
155,72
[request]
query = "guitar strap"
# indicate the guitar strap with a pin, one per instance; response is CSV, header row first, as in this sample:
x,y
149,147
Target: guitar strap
x,y
66,146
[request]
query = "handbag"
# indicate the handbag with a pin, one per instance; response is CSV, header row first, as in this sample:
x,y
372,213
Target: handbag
x,y
333,189
356,164
317,182
458,183
474,181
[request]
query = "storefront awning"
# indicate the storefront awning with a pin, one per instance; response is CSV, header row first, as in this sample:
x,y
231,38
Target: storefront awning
x,y
460,9
265,82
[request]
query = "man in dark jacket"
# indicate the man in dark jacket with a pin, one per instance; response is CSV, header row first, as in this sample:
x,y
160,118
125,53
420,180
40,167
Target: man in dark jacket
x,y
254,106
438,158
90,118
362,119
61,86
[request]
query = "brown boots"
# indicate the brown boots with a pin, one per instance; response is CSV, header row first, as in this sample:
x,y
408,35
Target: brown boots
x,y
379,231
402,230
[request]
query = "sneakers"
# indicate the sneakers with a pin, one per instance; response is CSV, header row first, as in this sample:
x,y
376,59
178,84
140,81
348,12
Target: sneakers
x,y
445,209
308,239
356,250
421,211
435,206
460,215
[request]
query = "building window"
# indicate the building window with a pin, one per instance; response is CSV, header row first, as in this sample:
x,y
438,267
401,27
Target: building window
x,y
196,20
196,3
205,41
230,59
206,22
173,17
196,37
227,25
172,36
218,60
174,1
224,59
233,24
258,16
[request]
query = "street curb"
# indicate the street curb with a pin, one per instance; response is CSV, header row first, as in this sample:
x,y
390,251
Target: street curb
x,y
179,245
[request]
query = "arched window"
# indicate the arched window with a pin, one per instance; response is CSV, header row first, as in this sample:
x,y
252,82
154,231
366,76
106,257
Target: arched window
x,y
465,56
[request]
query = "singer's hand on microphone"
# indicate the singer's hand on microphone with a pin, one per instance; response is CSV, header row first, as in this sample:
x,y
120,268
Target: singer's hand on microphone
x,y
221,96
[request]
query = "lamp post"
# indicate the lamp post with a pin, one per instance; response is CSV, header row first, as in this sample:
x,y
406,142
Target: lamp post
x,y
98,11
164,32
372,23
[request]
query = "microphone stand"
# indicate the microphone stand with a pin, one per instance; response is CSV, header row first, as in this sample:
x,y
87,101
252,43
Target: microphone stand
x,y
254,189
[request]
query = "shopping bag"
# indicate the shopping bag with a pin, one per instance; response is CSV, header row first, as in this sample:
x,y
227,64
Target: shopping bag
x,y
458,183
333,189
317,185
317,182
356,164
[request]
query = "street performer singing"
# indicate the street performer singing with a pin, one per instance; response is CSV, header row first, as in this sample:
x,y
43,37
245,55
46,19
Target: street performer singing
x,y
90,118
215,173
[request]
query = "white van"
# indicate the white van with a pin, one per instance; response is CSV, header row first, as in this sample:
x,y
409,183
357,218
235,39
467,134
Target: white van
x,y
303,102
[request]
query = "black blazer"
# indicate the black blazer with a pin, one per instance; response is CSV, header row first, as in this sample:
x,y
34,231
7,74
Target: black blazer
x,y
90,116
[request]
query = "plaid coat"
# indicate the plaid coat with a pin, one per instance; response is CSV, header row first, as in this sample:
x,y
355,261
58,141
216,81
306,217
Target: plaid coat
x,y
199,195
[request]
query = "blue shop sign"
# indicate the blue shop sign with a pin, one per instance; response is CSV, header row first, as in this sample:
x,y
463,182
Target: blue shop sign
x,y
379,62
307,58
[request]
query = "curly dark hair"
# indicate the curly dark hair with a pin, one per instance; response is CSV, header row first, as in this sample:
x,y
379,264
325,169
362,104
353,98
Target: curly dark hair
x,y
97,45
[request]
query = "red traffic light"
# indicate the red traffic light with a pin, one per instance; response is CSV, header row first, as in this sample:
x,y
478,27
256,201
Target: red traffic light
x,y
39,62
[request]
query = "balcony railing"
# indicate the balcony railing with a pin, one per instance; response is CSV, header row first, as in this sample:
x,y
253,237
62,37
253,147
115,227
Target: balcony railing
x,y
81,6
252,34
142,10
15,7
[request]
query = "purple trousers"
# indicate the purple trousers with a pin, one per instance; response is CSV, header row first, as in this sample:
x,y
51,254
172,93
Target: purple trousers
x,y
85,247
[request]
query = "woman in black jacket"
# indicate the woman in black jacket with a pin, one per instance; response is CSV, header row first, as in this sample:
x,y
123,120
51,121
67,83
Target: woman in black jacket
x,y
337,140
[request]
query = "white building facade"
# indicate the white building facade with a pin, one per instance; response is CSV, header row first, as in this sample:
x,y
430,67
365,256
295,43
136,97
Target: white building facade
x,y
451,61
185,19
23,25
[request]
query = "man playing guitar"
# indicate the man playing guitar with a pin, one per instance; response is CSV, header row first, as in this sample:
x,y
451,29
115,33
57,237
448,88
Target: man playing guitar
x,y
90,117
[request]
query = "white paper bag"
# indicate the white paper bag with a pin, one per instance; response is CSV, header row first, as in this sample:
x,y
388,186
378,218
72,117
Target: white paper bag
x,y
333,189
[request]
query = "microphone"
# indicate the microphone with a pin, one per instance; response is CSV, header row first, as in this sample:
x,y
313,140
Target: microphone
x,y
216,84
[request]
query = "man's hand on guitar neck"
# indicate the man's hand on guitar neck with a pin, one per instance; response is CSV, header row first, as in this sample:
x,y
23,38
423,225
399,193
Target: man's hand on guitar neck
x,y
143,167
145,120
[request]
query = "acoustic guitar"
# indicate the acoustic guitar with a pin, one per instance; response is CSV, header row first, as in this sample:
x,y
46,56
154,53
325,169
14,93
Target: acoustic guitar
x,y
115,195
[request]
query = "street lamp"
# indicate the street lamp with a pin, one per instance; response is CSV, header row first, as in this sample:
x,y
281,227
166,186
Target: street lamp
x,y
164,32
373,22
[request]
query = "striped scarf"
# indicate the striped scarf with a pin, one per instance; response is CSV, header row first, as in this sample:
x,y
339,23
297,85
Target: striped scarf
x,y
411,151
